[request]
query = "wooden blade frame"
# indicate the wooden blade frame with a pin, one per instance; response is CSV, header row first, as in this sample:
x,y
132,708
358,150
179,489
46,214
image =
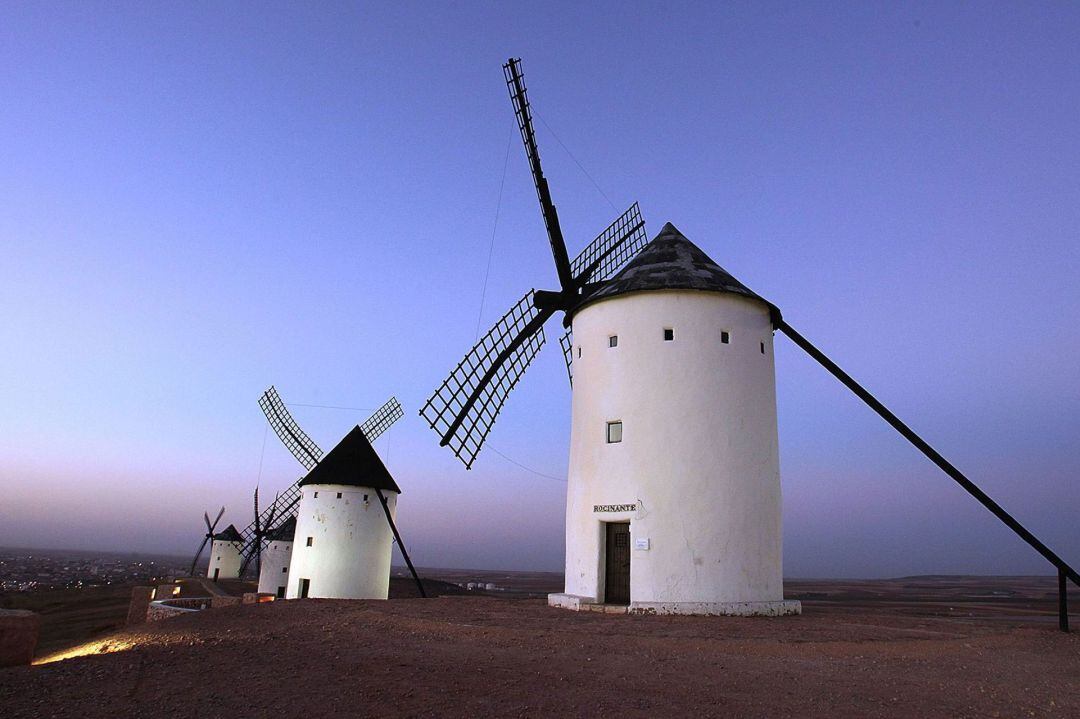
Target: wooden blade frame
x,y
382,419
519,96
288,431
611,250
464,407
567,343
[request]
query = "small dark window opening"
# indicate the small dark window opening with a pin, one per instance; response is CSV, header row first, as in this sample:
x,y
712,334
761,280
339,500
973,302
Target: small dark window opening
x,y
579,351
614,432
613,341
339,495
316,495
365,497
762,348
310,541
284,570
669,334
725,337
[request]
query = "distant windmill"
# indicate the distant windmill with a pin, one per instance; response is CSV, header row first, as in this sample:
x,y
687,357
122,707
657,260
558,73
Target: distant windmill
x,y
307,453
465,406
208,537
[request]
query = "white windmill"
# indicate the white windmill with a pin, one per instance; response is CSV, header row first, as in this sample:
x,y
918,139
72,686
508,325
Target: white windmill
x,y
673,497
340,547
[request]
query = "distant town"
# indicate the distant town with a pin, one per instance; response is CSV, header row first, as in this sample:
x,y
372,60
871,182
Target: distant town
x,y
23,570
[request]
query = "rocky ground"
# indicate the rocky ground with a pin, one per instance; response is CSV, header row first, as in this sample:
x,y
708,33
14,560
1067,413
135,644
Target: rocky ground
x,y
485,656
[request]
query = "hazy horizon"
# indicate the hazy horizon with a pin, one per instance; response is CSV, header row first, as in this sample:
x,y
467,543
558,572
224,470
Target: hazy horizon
x,y
201,201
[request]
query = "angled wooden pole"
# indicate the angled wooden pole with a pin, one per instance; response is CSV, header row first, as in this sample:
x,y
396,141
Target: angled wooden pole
x,y
1064,570
401,544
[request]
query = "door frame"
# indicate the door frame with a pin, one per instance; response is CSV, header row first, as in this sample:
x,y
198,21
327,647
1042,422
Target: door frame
x,y
606,533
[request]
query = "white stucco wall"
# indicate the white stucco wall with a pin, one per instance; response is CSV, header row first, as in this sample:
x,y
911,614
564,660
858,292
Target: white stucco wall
x,y
351,543
274,569
698,457
227,556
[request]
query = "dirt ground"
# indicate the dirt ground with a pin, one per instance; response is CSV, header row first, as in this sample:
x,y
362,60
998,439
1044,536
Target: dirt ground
x,y
487,656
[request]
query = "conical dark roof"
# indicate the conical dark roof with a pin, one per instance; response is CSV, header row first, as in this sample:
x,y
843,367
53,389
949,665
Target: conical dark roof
x,y
284,532
229,534
352,462
671,262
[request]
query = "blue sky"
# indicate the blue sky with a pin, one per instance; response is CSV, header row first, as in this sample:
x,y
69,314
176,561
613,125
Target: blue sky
x,y
201,200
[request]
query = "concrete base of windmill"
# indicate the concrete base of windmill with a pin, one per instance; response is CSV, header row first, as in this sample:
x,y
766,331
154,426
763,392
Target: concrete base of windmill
x,y
578,603
725,609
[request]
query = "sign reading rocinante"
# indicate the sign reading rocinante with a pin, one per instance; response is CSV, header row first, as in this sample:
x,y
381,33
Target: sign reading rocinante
x,y
614,507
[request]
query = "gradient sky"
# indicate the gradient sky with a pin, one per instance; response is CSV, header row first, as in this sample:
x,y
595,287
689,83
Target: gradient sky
x,y
199,200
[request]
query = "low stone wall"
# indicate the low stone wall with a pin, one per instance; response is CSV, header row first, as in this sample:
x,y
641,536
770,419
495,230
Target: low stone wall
x,y
167,608
19,629
140,604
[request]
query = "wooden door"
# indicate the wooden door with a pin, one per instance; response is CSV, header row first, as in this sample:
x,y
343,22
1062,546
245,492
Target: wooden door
x,y
305,586
617,566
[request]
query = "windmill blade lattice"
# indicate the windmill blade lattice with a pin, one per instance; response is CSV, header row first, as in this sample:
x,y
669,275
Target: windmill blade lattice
x,y
465,405
612,249
284,505
567,343
288,431
381,420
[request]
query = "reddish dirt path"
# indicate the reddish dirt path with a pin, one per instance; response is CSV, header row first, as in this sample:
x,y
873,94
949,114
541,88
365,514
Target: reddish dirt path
x,y
457,656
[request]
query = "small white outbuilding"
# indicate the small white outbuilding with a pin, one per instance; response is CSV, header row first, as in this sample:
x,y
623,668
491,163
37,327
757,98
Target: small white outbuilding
x,y
673,497
343,541
226,555
275,559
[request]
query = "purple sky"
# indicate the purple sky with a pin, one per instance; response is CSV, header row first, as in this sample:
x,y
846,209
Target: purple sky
x,y
199,200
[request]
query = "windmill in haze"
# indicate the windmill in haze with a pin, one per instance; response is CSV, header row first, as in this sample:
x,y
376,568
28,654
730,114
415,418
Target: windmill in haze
x,y
673,490
307,453
209,536
353,464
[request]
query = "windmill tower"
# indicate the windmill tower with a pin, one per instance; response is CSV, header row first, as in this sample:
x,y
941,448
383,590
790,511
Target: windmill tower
x,y
345,525
335,570
276,558
673,496
308,454
226,555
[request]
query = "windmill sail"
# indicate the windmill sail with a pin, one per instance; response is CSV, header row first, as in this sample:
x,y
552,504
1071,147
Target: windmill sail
x,y
381,420
611,250
464,407
288,431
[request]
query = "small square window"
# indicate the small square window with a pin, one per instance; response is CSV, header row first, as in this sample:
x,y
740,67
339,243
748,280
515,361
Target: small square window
x,y
339,495
762,348
669,334
365,497
284,570
725,337
613,341
614,432
310,541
